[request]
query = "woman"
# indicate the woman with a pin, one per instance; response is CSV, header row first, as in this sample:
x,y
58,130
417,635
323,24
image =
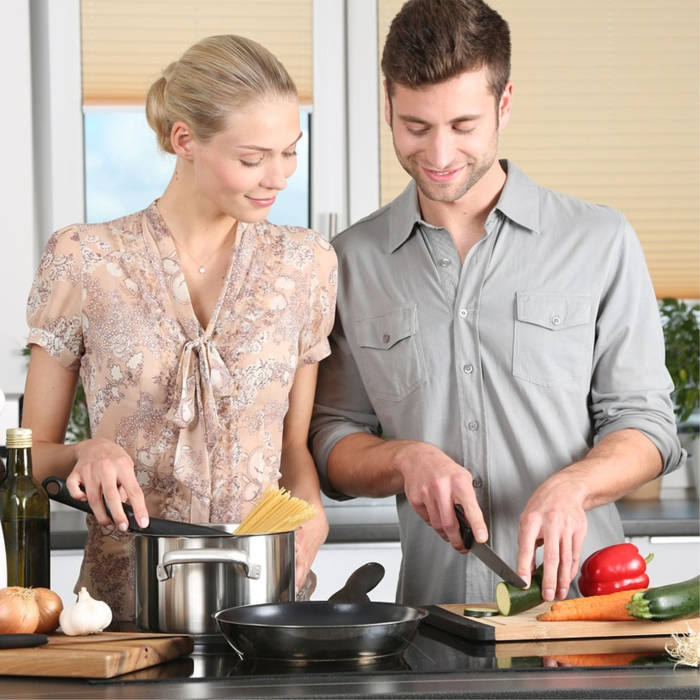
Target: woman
x,y
195,325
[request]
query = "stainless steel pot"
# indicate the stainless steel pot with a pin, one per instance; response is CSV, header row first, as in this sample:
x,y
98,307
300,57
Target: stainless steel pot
x,y
182,581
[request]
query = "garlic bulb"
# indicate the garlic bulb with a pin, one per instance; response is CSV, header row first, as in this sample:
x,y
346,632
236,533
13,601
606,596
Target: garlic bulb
x,y
87,616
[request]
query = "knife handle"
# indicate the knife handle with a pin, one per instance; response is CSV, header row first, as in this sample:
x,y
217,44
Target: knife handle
x,y
18,641
464,530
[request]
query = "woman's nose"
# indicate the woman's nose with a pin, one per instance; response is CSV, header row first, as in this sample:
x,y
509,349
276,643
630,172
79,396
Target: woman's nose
x,y
275,177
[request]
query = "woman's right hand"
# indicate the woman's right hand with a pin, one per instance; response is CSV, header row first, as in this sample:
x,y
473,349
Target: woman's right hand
x,y
104,469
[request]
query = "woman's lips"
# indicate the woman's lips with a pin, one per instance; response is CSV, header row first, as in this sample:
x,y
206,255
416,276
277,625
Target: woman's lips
x,y
442,175
262,202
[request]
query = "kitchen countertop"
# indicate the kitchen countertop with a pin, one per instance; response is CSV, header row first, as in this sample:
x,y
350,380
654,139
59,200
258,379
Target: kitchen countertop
x,y
435,665
376,522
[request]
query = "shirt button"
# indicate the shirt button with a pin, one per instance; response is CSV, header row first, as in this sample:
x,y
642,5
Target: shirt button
x,y
386,338
468,368
463,313
556,320
473,425
444,262
477,483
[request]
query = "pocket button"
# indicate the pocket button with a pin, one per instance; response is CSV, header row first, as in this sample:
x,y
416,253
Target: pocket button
x,y
477,483
556,320
473,425
386,338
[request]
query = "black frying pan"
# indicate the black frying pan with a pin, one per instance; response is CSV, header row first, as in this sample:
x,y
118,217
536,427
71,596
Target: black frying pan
x,y
337,629
58,491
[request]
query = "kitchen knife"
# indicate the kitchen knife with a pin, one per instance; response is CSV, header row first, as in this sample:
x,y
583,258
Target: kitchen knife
x,y
18,641
58,491
485,553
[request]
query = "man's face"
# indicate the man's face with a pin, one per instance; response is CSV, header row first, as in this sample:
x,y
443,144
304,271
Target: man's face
x,y
446,135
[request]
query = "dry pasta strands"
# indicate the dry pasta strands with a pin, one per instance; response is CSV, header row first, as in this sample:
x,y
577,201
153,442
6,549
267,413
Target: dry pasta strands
x,y
276,511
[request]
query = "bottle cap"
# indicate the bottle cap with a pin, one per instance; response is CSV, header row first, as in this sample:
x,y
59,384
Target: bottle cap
x,y
18,438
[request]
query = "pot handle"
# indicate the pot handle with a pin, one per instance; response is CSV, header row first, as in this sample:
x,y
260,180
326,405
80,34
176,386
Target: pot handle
x,y
206,556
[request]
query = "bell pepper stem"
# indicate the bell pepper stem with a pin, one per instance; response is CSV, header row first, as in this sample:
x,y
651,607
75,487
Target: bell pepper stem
x,y
649,557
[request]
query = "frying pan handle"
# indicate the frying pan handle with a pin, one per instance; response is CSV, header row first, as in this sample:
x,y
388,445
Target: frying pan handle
x,y
206,556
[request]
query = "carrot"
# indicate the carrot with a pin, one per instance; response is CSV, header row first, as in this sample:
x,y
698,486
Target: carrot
x,y
610,606
616,659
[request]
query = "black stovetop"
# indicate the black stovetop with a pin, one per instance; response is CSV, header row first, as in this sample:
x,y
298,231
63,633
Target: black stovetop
x,y
431,651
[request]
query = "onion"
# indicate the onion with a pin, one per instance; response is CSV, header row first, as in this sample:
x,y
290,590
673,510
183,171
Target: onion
x,y
19,613
50,606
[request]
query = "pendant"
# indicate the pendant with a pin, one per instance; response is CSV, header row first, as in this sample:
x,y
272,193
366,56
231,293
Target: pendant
x,y
202,270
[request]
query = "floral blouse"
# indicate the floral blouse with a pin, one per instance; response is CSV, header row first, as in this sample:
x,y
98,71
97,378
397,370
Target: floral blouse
x,y
200,411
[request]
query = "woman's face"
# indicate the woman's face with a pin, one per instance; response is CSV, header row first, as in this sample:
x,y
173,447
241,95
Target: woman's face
x,y
240,170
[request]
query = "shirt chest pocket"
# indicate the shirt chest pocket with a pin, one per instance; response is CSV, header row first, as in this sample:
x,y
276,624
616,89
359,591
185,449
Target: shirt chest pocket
x,y
553,338
390,354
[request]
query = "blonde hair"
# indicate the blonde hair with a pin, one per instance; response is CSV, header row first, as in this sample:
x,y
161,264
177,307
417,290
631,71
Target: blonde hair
x,y
212,78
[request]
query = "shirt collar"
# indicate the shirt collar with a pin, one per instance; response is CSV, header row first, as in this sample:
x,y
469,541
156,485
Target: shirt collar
x,y
519,202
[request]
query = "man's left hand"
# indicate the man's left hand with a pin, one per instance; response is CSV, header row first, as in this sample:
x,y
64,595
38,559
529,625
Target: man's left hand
x,y
555,518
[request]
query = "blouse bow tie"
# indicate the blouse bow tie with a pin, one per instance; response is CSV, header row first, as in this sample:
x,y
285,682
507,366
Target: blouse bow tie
x,y
202,377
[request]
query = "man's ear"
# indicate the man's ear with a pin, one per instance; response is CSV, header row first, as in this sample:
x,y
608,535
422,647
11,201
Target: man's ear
x,y
182,140
387,105
505,105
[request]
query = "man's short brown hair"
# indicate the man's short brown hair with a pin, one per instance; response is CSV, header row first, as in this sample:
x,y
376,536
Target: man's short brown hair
x,y
431,41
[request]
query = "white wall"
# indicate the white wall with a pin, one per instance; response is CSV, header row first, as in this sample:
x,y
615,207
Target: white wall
x,y
17,221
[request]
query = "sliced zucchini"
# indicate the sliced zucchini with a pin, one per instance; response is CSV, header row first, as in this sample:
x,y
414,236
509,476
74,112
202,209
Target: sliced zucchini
x,y
480,610
512,600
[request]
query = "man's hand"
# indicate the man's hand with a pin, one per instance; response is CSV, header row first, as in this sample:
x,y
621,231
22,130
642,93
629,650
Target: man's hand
x,y
554,517
433,484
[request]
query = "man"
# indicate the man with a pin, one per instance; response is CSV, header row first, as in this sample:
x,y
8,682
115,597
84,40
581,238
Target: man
x,y
497,345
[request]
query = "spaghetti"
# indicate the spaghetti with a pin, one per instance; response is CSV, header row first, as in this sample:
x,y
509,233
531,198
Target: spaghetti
x,y
276,511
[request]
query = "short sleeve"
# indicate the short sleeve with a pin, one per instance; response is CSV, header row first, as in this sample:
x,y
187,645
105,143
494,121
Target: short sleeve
x,y
54,308
313,343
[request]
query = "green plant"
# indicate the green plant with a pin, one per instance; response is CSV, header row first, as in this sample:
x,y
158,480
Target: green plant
x,y
681,333
79,421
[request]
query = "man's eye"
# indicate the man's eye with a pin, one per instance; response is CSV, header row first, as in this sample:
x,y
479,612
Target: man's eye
x,y
464,130
418,132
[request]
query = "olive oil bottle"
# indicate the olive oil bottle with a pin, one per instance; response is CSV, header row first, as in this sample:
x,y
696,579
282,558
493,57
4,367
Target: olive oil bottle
x,y
24,513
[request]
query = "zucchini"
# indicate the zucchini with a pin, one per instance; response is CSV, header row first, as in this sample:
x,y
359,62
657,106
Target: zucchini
x,y
512,600
667,602
480,611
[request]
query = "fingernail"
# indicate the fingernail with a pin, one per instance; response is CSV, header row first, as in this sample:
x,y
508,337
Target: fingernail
x,y
143,522
480,535
109,527
548,593
123,526
562,593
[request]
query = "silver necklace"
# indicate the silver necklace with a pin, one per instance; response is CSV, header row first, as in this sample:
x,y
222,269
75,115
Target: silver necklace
x,y
202,269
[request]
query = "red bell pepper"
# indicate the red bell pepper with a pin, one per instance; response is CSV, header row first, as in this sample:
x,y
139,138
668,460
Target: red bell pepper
x,y
619,567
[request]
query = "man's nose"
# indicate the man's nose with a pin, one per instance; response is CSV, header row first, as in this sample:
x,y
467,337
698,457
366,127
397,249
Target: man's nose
x,y
440,150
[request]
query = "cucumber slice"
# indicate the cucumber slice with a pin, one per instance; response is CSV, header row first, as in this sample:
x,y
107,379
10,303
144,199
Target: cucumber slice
x,y
511,600
480,610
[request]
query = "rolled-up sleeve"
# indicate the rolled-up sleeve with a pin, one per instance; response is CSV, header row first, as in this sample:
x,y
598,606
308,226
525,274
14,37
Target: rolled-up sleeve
x,y
631,386
341,408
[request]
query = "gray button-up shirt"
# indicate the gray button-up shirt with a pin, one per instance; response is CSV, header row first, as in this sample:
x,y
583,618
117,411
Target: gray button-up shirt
x,y
546,338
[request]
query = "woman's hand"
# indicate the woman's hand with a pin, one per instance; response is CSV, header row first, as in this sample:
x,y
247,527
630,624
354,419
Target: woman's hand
x,y
307,541
105,469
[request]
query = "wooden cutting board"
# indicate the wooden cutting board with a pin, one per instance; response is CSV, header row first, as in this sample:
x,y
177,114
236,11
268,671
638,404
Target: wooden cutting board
x,y
526,626
101,655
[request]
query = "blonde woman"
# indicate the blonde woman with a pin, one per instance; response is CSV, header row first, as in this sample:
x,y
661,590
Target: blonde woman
x,y
195,325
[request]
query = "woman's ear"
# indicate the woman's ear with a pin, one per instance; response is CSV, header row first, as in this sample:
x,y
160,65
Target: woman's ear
x,y
182,140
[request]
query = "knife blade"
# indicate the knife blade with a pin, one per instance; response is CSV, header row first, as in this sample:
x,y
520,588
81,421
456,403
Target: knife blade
x,y
485,553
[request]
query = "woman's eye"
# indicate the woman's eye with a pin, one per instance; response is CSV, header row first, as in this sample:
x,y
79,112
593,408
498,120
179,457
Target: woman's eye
x,y
289,154
251,164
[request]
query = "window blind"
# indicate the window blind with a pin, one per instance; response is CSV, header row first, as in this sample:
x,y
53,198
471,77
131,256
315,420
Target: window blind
x,y
605,108
127,43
